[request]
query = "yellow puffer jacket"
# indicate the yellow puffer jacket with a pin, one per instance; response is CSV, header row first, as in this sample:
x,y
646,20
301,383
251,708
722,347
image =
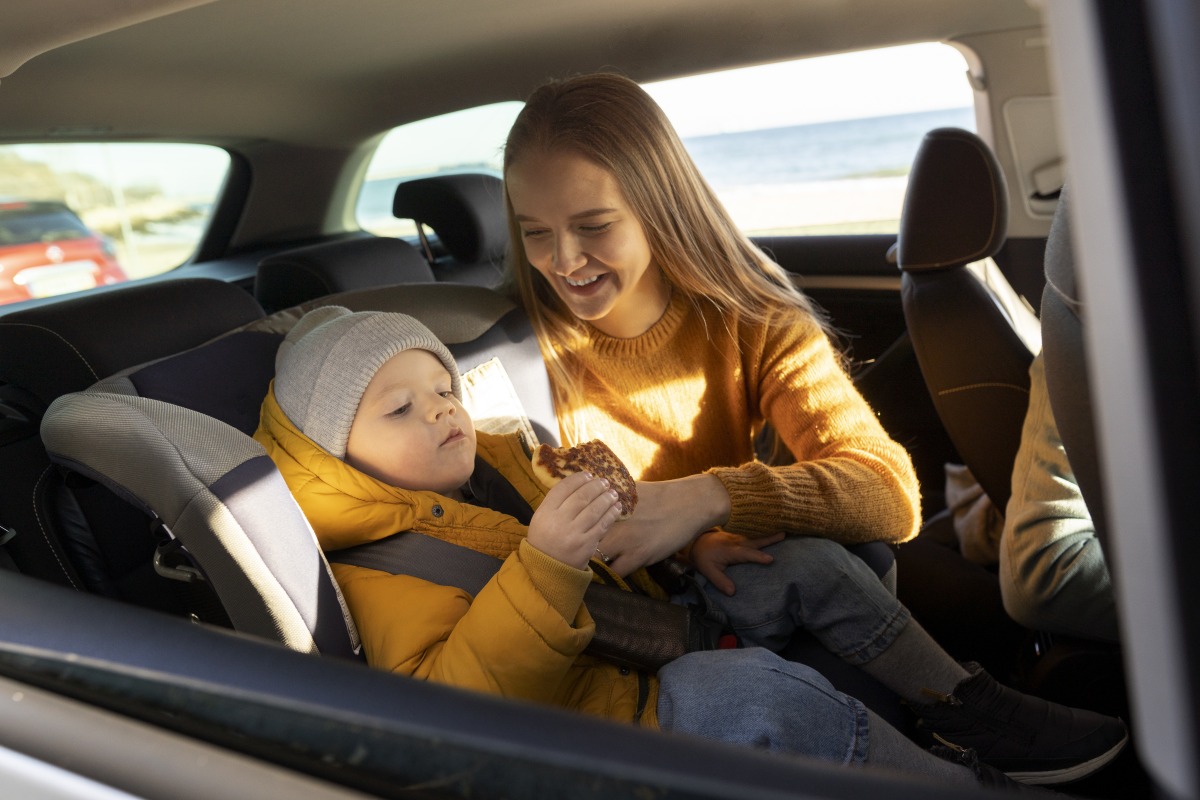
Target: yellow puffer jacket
x,y
522,636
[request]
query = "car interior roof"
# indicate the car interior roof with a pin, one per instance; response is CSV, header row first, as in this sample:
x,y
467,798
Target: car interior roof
x,y
230,71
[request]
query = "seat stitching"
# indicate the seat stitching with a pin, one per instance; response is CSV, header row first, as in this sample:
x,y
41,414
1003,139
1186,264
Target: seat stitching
x,y
52,332
993,385
42,528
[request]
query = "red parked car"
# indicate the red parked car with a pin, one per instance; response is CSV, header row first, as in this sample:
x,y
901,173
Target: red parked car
x,y
46,249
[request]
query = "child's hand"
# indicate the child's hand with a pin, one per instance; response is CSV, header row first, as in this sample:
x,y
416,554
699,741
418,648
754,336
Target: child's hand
x,y
573,518
712,552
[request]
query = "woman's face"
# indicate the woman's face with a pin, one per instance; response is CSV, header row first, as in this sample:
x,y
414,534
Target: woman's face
x,y
578,231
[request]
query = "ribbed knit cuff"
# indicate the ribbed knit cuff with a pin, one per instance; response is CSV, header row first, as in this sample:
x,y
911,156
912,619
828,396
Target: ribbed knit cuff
x,y
753,500
561,584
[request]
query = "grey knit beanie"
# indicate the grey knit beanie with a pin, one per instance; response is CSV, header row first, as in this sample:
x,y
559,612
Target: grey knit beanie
x,y
328,358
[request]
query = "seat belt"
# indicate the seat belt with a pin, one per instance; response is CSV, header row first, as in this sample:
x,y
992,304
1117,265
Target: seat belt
x,y
424,557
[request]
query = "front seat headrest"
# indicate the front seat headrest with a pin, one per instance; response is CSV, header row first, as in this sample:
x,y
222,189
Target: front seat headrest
x,y
956,204
465,210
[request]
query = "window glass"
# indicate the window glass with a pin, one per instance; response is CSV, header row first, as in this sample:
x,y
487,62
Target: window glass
x,y
819,145
464,141
814,146
76,216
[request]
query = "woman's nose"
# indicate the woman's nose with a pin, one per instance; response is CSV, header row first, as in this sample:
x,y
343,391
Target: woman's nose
x,y
568,255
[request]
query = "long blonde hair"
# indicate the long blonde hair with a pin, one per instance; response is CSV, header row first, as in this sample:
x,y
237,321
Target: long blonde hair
x,y
610,120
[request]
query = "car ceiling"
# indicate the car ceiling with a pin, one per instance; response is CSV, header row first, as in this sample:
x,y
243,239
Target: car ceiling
x,y
333,74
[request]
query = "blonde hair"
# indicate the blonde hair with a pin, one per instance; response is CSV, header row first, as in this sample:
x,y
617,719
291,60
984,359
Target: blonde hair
x,y
610,120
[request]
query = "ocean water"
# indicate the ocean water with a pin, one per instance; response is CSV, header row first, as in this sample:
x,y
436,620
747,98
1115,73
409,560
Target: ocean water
x,y
774,157
855,148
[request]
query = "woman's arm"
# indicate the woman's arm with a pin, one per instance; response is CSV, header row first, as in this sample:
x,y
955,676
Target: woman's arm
x,y
851,481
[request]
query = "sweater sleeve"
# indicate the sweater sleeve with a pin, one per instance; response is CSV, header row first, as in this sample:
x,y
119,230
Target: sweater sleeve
x,y
509,640
850,481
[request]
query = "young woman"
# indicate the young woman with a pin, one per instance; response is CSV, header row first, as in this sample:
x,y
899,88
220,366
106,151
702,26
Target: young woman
x,y
671,337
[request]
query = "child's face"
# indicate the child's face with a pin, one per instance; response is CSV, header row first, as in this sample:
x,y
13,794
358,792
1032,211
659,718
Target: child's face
x,y
579,232
409,430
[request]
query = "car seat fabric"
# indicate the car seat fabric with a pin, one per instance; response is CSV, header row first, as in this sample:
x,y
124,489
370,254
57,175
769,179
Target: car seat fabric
x,y
63,347
1067,381
215,490
974,337
225,379
304,273
466,211
51,349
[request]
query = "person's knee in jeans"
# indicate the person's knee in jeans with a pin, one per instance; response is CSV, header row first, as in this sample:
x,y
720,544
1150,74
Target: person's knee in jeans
x,y
754,697
813,584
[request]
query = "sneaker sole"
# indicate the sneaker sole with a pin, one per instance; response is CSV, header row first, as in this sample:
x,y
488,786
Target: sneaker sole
x,y
1071,773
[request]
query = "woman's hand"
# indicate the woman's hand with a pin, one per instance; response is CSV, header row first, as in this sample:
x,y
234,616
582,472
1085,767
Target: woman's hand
x,y
576,514
668,517
714,551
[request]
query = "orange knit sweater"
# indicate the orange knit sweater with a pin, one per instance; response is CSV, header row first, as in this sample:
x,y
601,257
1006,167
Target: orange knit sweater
x,y
688,396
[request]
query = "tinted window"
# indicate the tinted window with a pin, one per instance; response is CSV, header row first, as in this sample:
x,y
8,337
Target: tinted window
x,y
75,216
820,145
815,146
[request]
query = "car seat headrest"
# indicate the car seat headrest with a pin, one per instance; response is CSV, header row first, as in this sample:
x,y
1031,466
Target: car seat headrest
x,y
68,345
956,205
1060,260
295,276
465,210
217,492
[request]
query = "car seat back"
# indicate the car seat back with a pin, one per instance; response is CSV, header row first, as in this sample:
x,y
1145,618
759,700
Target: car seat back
x,y
466,213
974,337
225,380
216,491
296,276
1067,381
55,348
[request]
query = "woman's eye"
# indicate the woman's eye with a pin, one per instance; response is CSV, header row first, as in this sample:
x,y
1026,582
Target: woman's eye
x,y
596,228
534,233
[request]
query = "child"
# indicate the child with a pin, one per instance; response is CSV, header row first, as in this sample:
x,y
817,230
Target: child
x,y
364,421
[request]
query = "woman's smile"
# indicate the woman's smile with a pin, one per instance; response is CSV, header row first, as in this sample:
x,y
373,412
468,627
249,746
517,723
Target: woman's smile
x,y
578,231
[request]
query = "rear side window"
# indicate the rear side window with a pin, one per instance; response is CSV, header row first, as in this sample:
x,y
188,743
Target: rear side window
x,y
471,140
814,146
821,145
77,216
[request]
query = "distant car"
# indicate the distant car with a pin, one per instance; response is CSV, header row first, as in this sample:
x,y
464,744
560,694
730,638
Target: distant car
x,y
46,249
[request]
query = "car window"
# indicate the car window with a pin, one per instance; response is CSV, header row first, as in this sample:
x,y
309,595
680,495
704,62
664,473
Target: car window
x,y
471,140
77,216
813,146
819,145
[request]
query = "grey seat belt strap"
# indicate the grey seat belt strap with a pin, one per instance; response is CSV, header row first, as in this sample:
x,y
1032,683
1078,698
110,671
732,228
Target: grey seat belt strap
x,y
423,557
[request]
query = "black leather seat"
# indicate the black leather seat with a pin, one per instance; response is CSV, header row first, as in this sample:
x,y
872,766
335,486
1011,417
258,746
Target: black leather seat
x,y
466,213
974,337
305,273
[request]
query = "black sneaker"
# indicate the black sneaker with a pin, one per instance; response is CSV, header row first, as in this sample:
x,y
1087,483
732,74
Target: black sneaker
x,y
987,776
1027,738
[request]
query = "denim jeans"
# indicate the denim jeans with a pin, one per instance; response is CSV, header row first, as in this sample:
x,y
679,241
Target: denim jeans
x,y
816,585
753,697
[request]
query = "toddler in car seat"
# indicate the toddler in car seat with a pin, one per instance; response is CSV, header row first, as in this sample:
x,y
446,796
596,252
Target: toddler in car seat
x,y
365,422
